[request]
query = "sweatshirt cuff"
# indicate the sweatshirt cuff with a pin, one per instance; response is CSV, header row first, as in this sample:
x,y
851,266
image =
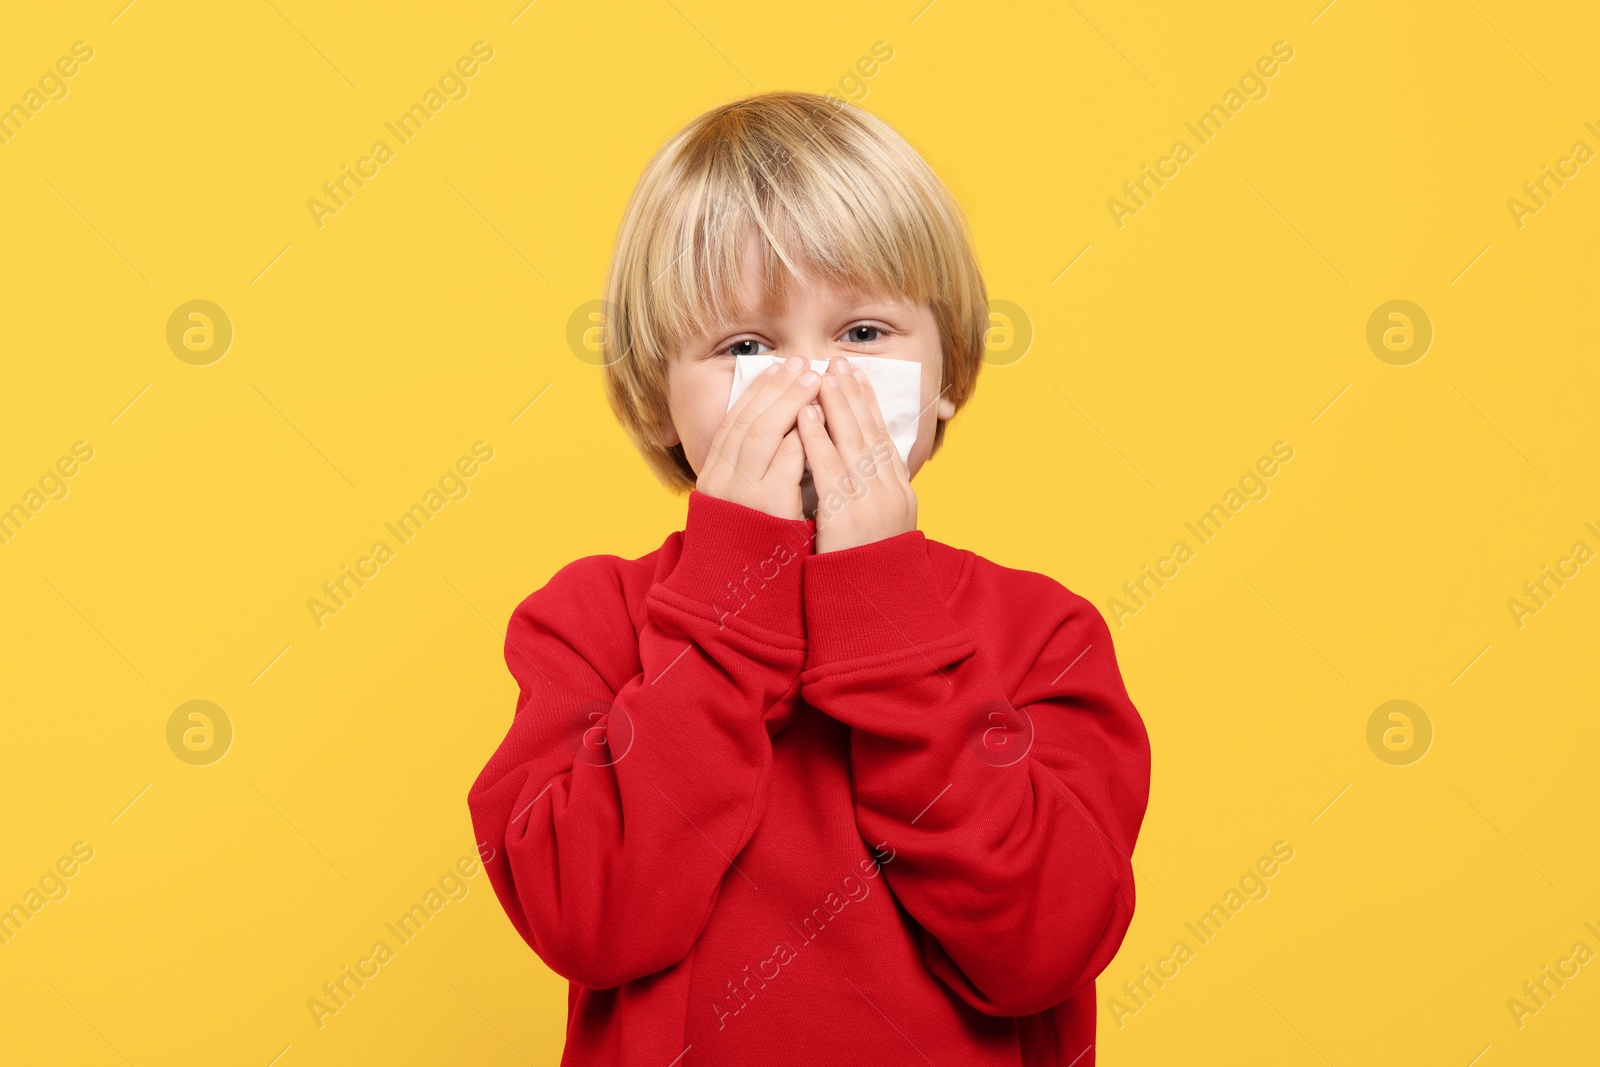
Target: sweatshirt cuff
x,y
873,600
743,564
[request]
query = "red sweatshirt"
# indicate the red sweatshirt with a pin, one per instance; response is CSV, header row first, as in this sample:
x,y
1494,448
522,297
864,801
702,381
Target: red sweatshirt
x,y
759,804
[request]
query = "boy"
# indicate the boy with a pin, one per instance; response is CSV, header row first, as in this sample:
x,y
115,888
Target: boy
x,y
796,789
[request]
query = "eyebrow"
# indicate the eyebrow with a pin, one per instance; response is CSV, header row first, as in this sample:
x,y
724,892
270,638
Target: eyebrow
x,y
869,303
902,303
875,309
894,302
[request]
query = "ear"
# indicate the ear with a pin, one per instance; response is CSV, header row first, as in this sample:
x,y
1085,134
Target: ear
x,y
946,409
668,435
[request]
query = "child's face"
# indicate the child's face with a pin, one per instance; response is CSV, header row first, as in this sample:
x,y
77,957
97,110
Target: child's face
x,y
820,322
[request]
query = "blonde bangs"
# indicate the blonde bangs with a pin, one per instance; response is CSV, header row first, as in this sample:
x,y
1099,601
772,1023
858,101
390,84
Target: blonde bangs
x,y
831,190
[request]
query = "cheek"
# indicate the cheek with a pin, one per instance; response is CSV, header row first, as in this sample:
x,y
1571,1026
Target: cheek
x,y
699,398
715,386
928,422
925,433
932,382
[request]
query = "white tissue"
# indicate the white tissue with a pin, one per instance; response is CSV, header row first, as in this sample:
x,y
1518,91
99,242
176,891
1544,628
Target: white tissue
x,y
897,384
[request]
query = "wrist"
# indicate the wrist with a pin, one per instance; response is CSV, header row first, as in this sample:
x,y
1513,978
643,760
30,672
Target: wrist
x,y
873,599
742,566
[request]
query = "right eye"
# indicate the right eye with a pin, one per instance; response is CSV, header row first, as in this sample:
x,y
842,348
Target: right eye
x,y
741,348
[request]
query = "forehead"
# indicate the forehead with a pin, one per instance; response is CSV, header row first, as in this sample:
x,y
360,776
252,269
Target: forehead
x,y
760,293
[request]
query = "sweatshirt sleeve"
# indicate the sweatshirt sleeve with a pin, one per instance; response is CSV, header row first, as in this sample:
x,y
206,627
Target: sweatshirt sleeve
x,y
1013,814
637,761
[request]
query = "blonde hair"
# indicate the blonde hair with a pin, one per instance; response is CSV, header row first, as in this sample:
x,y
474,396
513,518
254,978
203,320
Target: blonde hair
x,y
830,188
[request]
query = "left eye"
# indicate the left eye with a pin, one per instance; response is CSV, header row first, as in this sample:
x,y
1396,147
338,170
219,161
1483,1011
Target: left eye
x,y
854,331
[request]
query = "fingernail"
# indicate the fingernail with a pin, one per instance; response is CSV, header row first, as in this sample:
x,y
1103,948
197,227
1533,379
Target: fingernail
x,y
793,363
831,381
808,378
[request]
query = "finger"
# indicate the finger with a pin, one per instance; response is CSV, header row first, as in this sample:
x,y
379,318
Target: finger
x,y
771,382
867,409
760,442
724,441
816,406
844,426
790,462
827,469
835,465
879,443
